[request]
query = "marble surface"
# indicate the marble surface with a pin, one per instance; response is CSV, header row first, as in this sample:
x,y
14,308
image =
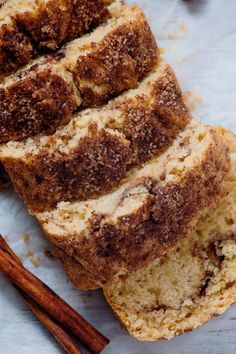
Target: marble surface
x,y
199,40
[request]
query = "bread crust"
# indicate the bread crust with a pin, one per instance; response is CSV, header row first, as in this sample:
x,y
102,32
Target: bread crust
x,y
44,27
167,215
100,159
123,59
22,105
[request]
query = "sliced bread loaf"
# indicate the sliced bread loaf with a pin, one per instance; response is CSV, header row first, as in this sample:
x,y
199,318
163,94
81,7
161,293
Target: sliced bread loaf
x,y
97,148
155,206
29,27
87,71
193,282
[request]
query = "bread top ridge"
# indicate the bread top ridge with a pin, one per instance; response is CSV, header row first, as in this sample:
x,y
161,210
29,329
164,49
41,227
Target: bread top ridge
x,y
146,214
193,282
31,27
99,146
87,72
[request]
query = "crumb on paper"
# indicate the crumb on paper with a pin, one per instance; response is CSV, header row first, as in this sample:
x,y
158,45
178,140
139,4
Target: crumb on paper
x,y
162,50
30,253
35,261
26,237
49,254
192,100
183,28
170,37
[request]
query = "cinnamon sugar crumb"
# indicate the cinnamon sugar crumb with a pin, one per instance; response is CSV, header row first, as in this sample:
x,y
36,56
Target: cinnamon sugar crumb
x,y
162,50
183,28
35,261
26,237
170,36
30,253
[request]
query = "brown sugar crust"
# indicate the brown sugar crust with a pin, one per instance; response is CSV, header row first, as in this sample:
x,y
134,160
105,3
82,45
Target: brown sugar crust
x,y
15,49
120,62
101,159
151,125
169,214
46,27
40,101
26,105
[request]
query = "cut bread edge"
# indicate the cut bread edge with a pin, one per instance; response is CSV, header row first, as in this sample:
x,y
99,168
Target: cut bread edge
x,y
214,293
98,147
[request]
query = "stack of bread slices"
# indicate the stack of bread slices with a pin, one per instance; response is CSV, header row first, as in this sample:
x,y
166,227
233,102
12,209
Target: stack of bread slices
x,y
137,196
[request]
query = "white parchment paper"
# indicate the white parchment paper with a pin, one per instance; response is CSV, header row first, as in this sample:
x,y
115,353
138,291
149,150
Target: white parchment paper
x,y
199,38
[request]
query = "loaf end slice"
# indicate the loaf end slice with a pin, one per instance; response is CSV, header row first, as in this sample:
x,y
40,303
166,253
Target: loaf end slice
x,y
192,283
145,215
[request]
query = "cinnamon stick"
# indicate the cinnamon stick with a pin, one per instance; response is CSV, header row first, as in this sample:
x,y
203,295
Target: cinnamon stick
x,y
51,302
61,336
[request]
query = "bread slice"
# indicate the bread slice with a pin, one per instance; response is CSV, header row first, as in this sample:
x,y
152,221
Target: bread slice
x,y
146,214
29,27
87,71
97,148
193,282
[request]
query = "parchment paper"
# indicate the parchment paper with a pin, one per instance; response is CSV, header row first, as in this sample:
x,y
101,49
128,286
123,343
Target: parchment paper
x,y
199,39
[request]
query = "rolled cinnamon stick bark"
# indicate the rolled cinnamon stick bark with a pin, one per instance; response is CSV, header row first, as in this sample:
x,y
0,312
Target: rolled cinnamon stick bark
x,y
51,303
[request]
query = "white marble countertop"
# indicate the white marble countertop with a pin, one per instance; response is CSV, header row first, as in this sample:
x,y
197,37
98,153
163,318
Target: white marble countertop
x,y
199,40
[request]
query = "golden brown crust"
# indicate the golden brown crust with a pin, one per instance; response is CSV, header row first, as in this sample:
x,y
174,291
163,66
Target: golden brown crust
x,y
46,27
99,161
169,214
25,108
120,62
41,101
153,125
151,122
